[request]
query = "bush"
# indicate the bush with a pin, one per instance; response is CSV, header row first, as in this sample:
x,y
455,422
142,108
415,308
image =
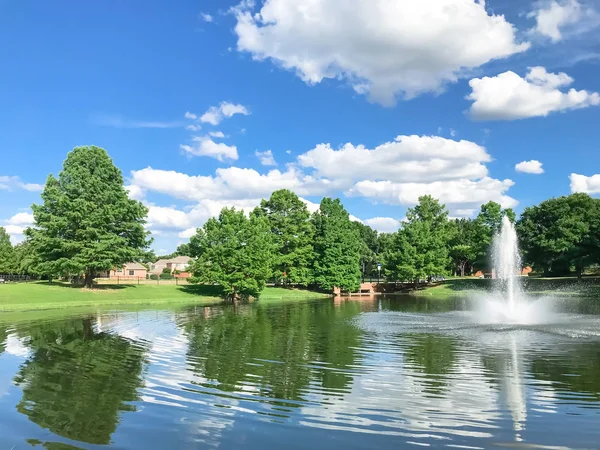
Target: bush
x,y
166,276
154,276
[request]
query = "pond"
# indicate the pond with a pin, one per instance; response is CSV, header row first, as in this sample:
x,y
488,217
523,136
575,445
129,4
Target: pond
x,y
373,373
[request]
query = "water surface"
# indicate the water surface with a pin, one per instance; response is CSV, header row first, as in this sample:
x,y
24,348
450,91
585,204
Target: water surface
x,y
353,374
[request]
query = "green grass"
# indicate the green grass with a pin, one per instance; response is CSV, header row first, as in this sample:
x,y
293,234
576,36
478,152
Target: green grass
x,y
44,295
567,286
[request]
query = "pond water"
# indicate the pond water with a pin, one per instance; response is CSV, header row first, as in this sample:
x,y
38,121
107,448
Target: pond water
x,y
352,374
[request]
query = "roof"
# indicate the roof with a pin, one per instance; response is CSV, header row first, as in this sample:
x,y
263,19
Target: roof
x,y
134,266
180,260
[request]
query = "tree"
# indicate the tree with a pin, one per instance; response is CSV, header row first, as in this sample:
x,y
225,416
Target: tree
x,y
488,224
87,223
25,259
369,248
561,233
420,248
236,253
337,248
293,234
7,253
464,244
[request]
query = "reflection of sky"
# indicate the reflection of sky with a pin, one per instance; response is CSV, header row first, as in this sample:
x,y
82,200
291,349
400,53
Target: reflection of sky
x,y
487,394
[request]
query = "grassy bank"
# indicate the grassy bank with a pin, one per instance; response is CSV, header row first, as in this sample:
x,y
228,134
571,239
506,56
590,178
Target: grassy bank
x,y
564,287
43,295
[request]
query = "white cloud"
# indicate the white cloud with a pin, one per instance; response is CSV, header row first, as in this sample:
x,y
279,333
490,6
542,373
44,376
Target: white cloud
x,y
452,132
553,16
266,158
432,42
135,192
582,183
533,166
228,183
407,159
187,233
216,134
509,97
193,127
216,114
116,121
164,217
383,224
191,116
206,17
10,183
207,147
22,218
456,194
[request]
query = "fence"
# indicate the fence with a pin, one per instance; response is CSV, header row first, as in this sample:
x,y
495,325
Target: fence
x,y
14,278
141,281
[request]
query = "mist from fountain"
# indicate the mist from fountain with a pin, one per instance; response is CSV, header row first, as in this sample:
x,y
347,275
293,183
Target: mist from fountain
x,y
508,303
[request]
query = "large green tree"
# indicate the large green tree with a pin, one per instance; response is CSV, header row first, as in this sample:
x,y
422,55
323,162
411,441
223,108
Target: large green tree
x,y
337,248
464,244
292,233
369,248
235,253
7,253
420,248
87,223
488,223
561,233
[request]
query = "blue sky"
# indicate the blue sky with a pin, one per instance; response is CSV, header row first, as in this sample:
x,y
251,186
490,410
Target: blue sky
x,y
469,89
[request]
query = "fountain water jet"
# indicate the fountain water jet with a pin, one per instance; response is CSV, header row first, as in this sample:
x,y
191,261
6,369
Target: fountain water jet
x,y
507,262
508,303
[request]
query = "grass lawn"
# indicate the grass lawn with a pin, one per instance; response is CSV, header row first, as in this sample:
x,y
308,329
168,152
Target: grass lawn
x,y
567,286
43,295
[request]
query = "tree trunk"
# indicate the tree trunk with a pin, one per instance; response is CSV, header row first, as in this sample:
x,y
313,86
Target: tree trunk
x,y
89,280
462,270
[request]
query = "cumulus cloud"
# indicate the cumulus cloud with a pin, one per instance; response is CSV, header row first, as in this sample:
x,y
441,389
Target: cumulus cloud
x,y
509,97
205,146
11,183
533,166
406,159
187,233
22,218
582,183
16,225
553,16
227,184
216,114
432,42
266,158
383,224
216,134
206,17
458,194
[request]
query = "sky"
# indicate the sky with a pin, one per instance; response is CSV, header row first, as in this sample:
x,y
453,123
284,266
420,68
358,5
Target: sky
x,y
214,103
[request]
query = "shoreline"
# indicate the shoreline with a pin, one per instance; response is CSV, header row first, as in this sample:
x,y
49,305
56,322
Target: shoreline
x,y
41,296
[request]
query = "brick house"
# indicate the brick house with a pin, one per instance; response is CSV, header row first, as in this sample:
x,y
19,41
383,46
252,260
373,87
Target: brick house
x,y
180,263
130,270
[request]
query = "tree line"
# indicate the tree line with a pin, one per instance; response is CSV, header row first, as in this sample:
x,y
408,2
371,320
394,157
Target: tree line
x,y
87,224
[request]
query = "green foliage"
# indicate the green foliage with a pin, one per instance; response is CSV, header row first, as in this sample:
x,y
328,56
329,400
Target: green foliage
x,y
488,223
87,223
166,271
337,248
464,244
7,253
420,248
561,233
293,234
369,248
153,276
236,253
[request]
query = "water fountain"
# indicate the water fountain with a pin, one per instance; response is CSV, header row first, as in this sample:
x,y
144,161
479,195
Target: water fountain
x,y
508,303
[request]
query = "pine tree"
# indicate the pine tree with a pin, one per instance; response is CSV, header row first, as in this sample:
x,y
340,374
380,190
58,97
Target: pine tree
x,y
293,234
87,223
337,248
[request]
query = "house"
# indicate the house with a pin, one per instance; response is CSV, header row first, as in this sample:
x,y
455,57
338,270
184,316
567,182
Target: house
x,y
180,263
129,271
